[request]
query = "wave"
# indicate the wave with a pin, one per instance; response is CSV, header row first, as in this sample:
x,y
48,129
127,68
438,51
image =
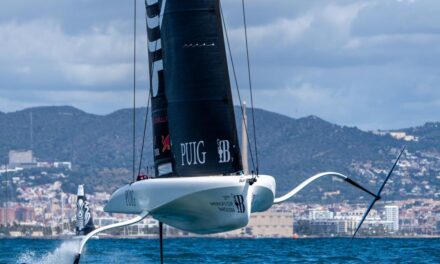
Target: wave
x,y
63,254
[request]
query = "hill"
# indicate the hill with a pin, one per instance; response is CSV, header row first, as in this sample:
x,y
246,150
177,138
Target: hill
x,y
100,148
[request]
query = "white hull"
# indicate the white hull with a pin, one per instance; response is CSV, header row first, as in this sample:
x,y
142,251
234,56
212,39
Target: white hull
x,y
200,205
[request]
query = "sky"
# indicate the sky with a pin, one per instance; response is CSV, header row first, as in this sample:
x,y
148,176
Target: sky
x,y
371,64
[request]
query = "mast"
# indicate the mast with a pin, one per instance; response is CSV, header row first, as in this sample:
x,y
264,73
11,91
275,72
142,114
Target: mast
x,y
193,117
244,140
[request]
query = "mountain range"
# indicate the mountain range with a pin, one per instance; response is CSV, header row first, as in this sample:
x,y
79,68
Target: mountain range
x,y
100,149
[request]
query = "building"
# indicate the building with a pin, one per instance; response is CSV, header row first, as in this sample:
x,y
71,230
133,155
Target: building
x,y
325,227
392,215
327,223
271,224
23,214
23,159
63,164
266,224
320,215
7,216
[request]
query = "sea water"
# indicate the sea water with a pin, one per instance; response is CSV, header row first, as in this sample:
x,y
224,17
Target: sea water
x,y
211,250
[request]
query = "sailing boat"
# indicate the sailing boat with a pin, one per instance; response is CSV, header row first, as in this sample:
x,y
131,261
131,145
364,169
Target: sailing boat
x,y
200,185
84,220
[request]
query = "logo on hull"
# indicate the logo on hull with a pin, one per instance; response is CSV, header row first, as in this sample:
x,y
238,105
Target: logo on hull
x,y
239,203
130,200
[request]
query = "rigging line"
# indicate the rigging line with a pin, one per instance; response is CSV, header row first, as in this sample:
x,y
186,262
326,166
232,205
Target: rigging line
x,y
145,129
250,85
151,70
237,88
134,90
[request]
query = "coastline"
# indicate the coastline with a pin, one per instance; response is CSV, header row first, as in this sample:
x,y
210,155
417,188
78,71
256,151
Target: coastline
x,y
223,237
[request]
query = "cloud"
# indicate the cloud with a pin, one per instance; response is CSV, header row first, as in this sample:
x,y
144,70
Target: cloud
x,y
90,75
99,57
282,31
22,70
372,63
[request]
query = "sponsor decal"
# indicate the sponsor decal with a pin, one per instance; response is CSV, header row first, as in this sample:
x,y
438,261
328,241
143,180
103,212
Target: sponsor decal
x,y
130,200
223,151
230,204
192,153
224,205
239,203
166,145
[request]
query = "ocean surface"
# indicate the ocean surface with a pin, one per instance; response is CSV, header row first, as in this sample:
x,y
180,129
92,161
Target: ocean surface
x,y
211,250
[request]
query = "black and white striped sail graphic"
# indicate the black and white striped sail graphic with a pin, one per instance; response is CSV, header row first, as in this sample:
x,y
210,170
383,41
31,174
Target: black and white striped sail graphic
x,y
84,221
193,119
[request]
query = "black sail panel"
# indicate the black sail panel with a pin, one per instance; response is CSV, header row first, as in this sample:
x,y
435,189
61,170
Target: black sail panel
x,y
194,95
161,139
200,109
161,135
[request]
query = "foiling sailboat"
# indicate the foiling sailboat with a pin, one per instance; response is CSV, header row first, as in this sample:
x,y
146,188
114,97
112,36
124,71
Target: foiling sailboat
x,y
84,220
200,185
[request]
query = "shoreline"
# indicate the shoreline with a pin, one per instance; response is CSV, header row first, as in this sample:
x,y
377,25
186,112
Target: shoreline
x,y
235,237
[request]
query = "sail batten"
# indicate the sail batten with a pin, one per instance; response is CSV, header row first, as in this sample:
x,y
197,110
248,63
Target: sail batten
x,y
197,134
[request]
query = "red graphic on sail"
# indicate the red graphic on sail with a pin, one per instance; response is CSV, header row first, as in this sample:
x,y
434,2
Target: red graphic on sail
x,y
166,145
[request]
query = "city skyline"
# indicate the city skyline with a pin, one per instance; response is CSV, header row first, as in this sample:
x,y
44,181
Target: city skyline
x,y
47,211
41,209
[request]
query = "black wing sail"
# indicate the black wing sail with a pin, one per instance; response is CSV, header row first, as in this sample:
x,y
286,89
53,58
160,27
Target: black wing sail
x,y
193,100
84,220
